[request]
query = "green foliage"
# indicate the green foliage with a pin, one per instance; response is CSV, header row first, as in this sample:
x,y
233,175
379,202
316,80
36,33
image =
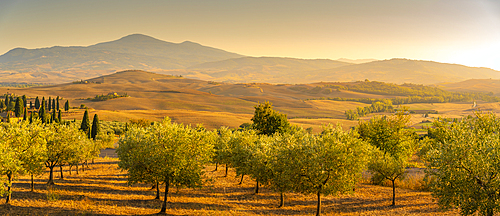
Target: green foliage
x,y
268,121
95,127
42,113
66,144
107,97
463,161
222,152
21,150
165,152
66,106
37,103
394,145
85,126
376,107
329,164
19,107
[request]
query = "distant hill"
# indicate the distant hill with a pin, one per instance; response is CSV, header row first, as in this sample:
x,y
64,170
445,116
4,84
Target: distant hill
x,y
473,85
131,52
403,71
356,61
192,60
263,69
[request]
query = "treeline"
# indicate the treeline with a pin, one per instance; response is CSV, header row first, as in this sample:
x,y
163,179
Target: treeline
x,y
413,93
107,97
48,111
31,147
23,85
376,107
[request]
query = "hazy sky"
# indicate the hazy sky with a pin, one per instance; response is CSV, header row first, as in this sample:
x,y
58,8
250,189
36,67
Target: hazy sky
x,y
455,31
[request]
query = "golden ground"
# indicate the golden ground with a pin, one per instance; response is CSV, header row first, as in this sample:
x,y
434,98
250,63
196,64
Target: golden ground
x,y
102,190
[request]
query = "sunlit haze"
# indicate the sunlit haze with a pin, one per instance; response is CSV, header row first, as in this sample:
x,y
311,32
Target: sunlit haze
x,y
452,31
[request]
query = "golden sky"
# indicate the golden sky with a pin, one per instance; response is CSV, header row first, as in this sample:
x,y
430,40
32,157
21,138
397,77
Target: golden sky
x,y
453,31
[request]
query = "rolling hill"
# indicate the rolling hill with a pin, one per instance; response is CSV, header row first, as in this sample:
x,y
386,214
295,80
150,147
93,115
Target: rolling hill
x,y
473,85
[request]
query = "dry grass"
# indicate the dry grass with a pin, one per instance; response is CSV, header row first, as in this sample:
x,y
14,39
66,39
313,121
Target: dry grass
x,y
102,190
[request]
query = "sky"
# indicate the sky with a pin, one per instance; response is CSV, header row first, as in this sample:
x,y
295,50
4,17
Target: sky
x,y
452,31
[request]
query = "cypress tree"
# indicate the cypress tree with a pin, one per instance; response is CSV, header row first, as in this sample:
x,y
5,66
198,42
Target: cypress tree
x,y
41,112
25,101
19,108
25,117
49,106
2,105
11,99
44,103
57,101
8,117
95,127
85,127
37,103
6,100
59,116
31,104
66,106
53,103
53,116
31,117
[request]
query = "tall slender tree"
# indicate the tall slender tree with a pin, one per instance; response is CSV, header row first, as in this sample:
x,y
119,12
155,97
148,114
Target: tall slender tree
x,y
37,103
53,116
95,127
31,104
25,101
57,103
25,116
44,103
53,103
6,100
19,108
49,106
41,112
85,126
66,106
59,116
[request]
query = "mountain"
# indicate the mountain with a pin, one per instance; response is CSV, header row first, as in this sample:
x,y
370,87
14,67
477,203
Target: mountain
x,y
130,52
262,69
403,71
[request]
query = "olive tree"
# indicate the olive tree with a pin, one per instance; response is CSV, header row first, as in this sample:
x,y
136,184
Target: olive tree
x,y
21,148
222,153
463,161
394,145
65,144
328,164
174,155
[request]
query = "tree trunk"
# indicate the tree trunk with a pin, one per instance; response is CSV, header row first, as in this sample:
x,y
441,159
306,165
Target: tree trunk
x,y
318,208
241,181
9,187
32,184
227,167
157,191
87,163
83,167
76,168
92,160
393,193
282,200
60,167
70,166
257,187
216,166
51,176
489,212
164,206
